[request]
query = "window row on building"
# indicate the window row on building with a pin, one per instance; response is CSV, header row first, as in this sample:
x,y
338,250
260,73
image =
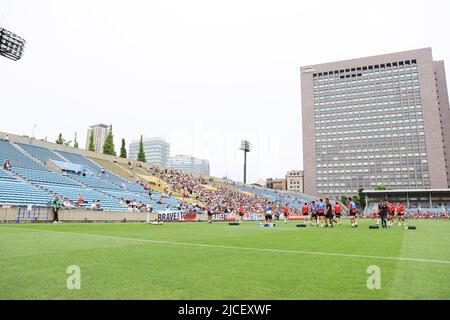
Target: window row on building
x,y
370,67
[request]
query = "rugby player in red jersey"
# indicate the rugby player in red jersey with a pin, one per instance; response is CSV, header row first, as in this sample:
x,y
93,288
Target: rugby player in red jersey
x,y
285,213
391,213
305,209
241,213
337,212
401,213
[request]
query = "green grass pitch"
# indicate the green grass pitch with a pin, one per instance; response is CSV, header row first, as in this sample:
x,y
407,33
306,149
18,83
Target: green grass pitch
x,y
218,261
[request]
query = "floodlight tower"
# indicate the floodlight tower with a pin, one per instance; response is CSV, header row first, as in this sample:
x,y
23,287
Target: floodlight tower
x,y
246,147
11,45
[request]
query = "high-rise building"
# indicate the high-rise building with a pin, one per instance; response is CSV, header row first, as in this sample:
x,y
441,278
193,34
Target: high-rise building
x,y
100,133
378,120
156,150
190,164
294,181
276,184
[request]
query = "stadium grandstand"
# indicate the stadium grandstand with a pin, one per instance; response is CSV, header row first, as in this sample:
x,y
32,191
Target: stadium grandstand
x,y
34,172
419,203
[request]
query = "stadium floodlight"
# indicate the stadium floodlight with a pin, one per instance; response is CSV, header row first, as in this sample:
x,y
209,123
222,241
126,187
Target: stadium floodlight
x,y
246,147
11,45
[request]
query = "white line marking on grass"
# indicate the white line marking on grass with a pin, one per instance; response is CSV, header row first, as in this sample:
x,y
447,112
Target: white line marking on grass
x,y
204,245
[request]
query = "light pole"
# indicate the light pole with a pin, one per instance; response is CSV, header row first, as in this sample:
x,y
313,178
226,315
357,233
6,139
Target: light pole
x,y
11,45
246,147
32,134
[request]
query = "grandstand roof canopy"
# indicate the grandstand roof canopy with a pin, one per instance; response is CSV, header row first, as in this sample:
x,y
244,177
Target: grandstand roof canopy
x,y
406,190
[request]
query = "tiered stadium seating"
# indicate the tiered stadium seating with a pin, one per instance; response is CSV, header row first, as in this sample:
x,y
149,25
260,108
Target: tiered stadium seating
x,y
16,158
108,203
134,187
116,169
76,158
41,176
15,192
39,153
4,175
293,200
96,182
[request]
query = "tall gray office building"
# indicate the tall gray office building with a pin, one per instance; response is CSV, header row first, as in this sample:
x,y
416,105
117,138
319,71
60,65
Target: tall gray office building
x,y
157,151
99,131
190,164
378,120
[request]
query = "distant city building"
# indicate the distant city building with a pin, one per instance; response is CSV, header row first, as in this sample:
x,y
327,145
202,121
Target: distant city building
x,y
294,181
190,164
276,184
157,151
100,133
260,182
381,120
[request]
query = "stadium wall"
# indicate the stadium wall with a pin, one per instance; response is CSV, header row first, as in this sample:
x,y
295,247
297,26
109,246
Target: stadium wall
x,y
9,215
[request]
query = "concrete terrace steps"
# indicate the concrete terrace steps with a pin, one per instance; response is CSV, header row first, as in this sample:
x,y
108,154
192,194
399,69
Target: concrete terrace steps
x,y
113,168
62,157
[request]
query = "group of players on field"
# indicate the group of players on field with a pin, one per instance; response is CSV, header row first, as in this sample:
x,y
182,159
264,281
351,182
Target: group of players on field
x,y
324,213
387,211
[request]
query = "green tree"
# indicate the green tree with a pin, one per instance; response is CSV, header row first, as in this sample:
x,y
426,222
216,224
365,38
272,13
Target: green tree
x,y
380,187
91,146
344,200
141,154
123,151
60,139
108,146
75,142
361,198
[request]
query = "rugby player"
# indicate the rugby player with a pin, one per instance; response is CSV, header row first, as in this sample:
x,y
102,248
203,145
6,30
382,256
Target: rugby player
x,y
391,213
285,213
268,214
210,214
305,209
241,213
352,212
320,212
337,212
400,213
383,212
328,213
313,217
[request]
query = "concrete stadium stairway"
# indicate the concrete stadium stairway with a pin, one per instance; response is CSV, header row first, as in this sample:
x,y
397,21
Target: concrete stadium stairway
x,y
62,157
114,168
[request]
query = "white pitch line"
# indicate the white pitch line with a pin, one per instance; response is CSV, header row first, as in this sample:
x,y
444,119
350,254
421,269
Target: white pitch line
x,y
204,245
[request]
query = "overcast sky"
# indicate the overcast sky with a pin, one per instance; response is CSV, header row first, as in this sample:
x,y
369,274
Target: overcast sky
x,y
203,74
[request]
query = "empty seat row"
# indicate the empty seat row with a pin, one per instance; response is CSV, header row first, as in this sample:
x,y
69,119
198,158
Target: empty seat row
x,y
76,158
19,193
42,154
44,176
16,158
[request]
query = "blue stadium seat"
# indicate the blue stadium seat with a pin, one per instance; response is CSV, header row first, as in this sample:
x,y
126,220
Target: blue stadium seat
x,y
39,153
15,192
16,158
44,176
76,158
